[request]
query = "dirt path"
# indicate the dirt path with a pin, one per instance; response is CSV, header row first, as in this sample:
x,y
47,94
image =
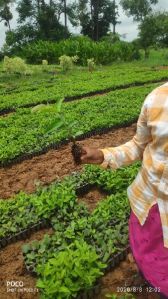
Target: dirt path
x,y
54,164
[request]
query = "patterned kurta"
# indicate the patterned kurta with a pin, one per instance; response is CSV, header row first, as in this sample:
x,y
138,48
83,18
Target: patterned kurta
x,y
150,144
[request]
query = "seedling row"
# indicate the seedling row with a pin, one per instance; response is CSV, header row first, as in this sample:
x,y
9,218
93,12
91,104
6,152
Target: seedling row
x,y
78,85
24,211
23,133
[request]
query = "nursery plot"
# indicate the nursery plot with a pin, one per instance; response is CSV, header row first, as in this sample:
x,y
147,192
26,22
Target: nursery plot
x,y
22,134
59,198
87,212
75,223
13,268
81,83
50,166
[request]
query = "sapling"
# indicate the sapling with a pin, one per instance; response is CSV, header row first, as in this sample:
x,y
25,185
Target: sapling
x,y
91,64
61,122
44,65
67,62
15,65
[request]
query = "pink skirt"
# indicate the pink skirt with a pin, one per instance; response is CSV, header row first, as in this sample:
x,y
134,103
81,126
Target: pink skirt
x,y
151,256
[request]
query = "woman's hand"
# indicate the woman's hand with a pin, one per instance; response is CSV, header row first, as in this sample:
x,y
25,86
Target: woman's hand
x,y
91,155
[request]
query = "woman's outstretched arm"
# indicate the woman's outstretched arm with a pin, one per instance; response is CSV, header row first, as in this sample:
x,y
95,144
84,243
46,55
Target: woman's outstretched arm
x,y
125,154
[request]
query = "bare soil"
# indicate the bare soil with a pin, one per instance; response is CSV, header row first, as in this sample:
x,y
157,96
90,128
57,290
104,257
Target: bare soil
x,y
163,67
54,164
92,198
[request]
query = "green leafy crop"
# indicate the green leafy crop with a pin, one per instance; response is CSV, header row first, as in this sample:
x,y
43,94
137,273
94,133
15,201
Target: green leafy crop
x,y
74,269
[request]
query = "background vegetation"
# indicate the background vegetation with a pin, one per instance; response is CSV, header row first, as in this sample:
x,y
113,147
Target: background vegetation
x,y
41,33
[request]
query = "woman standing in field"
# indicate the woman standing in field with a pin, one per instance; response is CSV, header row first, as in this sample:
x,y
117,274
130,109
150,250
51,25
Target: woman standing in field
x,y
148,194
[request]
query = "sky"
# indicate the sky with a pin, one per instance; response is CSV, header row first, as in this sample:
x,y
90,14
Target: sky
x,y
127,28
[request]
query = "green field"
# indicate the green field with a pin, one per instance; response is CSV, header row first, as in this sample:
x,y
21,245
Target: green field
x,y
81,242
22,132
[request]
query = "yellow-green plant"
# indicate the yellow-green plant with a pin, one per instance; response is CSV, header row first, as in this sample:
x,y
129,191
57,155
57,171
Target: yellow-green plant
x,y
67,62
15,65
44,62
91,64
44,65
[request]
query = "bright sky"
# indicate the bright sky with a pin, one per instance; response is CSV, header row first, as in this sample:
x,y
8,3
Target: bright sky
x,y
127,25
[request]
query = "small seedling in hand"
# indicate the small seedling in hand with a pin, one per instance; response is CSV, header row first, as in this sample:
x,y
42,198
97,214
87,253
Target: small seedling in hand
x,y
61,122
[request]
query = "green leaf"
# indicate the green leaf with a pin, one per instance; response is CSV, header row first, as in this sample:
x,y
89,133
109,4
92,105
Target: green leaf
x,y
79,133
26,248
39,108
59,105
54,125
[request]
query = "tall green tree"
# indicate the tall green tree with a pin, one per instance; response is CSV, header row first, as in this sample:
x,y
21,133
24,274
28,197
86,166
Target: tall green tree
x,y
45,16
139,9
153,31
95,17
39,20
5,12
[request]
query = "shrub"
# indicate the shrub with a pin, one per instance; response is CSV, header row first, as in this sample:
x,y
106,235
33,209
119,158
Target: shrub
x,y
103,52
66,62
44,65
15,65
91,64
44,62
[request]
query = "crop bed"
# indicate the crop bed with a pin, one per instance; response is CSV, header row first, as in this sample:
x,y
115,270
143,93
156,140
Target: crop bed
x,y
74,223
104,230
78,85
22,133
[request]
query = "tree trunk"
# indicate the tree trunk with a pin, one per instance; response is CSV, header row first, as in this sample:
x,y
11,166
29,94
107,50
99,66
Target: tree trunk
x,y
65,16
114,29
146,53
114,24
97,21
92,21
8,24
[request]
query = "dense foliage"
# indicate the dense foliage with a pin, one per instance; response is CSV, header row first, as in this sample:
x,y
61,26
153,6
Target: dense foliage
x,y
103,52
71,270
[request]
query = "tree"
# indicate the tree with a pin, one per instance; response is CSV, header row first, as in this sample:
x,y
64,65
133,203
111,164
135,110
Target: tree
x,y
65,12
139,9
21,36
95,17
5,13
114,16
45,18
154,31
